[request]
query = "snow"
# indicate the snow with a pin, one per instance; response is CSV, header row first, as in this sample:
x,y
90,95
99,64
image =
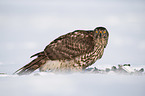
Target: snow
x,y
73,84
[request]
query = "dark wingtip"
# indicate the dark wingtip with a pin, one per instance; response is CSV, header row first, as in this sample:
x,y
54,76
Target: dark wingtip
x,y
34,55
37,54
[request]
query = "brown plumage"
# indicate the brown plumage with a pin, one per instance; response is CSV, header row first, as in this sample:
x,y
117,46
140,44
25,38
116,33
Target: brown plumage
x,y
71,52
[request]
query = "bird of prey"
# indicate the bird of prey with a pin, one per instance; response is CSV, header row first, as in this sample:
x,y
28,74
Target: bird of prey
x,y
73,51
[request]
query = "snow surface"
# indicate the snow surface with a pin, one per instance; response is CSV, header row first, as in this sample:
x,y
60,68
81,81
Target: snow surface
x,y
74,84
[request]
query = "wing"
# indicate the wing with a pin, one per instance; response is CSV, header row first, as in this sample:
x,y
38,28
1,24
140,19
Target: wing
x,y
70,45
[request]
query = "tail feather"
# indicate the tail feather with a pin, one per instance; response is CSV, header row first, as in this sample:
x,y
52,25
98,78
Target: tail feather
x,y
32,66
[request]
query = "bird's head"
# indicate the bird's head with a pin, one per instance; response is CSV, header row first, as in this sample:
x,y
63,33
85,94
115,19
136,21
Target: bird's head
x,y
101,32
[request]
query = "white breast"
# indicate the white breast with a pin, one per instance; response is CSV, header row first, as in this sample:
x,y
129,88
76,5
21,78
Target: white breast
x,y
60,65
51,65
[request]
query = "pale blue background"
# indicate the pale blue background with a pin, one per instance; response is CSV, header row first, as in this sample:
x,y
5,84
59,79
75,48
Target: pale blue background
x,y
27,26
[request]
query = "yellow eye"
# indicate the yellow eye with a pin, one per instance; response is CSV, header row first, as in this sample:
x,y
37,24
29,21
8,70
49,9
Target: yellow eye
x,y
104,32
96,31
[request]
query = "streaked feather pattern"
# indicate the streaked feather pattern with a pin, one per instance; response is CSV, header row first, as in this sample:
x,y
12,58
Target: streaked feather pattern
x,y
71,52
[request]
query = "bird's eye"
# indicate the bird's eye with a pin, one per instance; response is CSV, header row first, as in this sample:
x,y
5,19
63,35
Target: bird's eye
x,y
96,31
104,31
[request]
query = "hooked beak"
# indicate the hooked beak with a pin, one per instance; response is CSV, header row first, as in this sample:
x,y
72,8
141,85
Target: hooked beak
x,y
100,33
